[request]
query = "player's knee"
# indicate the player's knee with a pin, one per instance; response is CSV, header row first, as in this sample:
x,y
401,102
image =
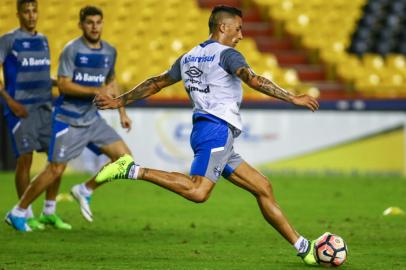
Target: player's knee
x,y
198,196
264,189
56,170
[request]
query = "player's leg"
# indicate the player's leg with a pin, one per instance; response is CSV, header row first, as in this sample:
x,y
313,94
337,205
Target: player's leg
x,y
45,134
103,139
195,188
211,141
83,192
114,151
63,147
256,183
49,215
22,180
17,216
24,137
22,175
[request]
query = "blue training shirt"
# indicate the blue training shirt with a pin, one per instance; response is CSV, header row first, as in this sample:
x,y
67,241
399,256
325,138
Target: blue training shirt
x,y
26,68
87,67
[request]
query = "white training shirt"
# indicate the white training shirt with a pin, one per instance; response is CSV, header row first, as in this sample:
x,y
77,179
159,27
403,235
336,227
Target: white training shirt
x,y
208,74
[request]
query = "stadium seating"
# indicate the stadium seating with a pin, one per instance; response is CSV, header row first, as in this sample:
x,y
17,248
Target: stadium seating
x,y
327,27
149,35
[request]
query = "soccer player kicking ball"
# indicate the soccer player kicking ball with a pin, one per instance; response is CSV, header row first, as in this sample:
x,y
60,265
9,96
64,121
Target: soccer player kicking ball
x,y
212,73
24,54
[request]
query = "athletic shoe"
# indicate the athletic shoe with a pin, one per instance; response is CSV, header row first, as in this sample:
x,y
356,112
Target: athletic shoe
x,y
55,221
35,225
84,202
309,257
116,170
18,223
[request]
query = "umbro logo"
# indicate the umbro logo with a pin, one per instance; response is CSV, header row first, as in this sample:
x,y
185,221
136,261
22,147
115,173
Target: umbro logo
x,y
61,153
26,45
217,171
194,72
84,60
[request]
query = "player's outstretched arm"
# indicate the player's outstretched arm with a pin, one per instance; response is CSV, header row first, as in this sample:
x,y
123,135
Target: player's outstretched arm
x,y
270,88
145,89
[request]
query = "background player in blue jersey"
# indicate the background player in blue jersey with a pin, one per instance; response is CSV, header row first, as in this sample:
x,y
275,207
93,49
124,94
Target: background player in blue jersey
x,y
86,68
212,74
24,54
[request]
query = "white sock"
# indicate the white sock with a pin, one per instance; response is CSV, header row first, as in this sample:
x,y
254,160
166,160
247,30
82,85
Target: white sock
x,y
18,211
85,190
134,170
49,207
301,244
29,213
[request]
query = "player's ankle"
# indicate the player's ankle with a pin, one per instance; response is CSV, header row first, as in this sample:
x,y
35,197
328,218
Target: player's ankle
x,y
49,207
302,245
18,211
136,172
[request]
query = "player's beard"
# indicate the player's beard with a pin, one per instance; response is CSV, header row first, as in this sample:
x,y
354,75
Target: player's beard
x,y
29,25
91,39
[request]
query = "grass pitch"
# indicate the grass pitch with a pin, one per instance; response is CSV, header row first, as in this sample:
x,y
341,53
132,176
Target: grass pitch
x,y
141,226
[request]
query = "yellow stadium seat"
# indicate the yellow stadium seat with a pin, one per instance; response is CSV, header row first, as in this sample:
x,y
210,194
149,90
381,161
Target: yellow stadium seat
x,y
150,35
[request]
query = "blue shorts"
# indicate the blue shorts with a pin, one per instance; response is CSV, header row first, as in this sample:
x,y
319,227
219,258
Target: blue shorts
x,y
212,143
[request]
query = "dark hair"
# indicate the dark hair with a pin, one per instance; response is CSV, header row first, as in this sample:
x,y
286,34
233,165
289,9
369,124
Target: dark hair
x,y
89,11
20,3
214,17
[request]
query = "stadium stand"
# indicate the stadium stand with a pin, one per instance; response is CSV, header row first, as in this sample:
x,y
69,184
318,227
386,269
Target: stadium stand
x,y
372,31
302,45
147,44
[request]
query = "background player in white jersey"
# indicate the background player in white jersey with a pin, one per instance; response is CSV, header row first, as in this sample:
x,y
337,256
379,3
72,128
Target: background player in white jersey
x,y
24,54
211,73
86,68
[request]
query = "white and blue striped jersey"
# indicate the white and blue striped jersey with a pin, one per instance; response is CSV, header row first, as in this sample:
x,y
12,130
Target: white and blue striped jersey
x,y
208,74
26,68
87,67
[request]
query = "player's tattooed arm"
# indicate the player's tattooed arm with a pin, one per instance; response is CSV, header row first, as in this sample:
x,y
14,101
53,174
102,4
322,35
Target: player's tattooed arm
x,y
145,89
263,85
270,88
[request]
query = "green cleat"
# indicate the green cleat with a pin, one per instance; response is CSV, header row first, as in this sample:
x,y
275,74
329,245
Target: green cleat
x,y
55,221
309,257
35,224
116,170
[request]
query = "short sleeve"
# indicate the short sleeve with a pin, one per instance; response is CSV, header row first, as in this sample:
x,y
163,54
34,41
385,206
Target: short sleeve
x,y
6,44
66,62
112,71
231,60
174,71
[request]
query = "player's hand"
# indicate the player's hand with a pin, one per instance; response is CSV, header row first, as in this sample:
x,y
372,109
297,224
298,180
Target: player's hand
x,y
17,108
306,101
126,122
107,89
104,102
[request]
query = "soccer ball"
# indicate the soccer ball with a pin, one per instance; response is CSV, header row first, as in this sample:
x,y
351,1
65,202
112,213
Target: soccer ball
x,y
331,250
